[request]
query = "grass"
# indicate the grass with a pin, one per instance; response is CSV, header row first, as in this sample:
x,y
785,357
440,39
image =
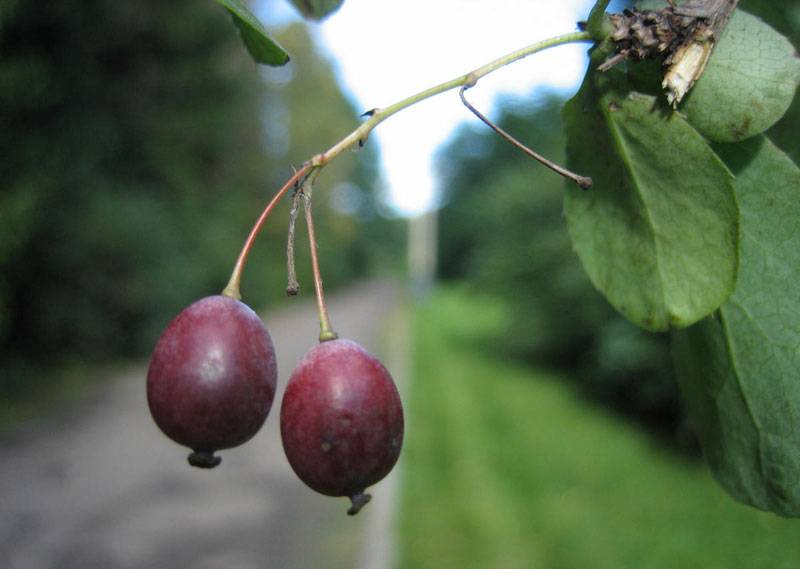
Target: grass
x,y
504,466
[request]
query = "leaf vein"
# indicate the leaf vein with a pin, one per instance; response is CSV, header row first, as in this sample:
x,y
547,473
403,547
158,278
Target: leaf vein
x,y
617,137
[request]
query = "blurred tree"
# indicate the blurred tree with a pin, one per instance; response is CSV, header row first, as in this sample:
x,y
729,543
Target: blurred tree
x,y
139,143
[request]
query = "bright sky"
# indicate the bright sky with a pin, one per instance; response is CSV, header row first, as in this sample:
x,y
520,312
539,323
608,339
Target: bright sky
x,y
384,51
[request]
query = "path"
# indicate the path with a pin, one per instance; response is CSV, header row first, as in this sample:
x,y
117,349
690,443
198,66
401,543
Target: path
x,y
100,487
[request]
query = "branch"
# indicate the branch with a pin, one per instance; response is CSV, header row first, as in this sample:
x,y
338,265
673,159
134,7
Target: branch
x,y
311,168
377,116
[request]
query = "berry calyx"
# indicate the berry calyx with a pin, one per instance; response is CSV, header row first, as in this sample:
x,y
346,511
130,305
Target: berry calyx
x,y
212,377
341,421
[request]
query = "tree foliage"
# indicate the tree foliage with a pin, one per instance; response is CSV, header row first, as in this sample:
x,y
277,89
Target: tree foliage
x,y
784,17
678,229
139,143
262,48
734,368
658,232
738,369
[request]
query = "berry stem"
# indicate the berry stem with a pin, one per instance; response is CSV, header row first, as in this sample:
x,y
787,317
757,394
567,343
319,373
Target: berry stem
x,y
326,331
232,289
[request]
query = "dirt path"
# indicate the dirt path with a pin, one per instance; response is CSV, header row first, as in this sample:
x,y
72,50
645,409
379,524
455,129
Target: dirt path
x,y
100,487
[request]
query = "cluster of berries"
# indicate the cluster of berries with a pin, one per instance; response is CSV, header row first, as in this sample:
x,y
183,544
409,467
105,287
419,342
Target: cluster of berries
x,y
212,380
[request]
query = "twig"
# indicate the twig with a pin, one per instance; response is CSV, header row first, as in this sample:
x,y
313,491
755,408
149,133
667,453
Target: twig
x,y
292,287
232,289
583,181
378,115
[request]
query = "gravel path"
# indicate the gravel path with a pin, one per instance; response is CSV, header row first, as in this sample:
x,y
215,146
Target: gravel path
x,y
99,487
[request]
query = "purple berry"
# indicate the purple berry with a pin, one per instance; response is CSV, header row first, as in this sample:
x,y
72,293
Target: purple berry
x,y
212,377
341,421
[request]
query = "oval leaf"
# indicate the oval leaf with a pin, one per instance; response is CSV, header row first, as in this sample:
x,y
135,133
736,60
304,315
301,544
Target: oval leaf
x,y
262,48
748,84
658,231
317,9
738,372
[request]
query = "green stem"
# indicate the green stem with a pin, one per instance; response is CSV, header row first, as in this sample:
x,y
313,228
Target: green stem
x,y
360,135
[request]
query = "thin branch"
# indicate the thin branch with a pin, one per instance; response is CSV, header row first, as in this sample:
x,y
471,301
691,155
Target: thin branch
x,y
292,287
360,135
376,116
583,181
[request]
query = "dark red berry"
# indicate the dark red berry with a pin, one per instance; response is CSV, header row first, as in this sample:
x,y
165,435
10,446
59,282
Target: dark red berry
x,y
212,377
341,421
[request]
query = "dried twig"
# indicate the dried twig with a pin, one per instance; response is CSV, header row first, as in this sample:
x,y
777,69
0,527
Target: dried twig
x,y
584,182
293,287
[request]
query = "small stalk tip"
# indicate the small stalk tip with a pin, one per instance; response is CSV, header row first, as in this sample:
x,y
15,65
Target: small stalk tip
x,y
327,336
232,291
359,500
204,459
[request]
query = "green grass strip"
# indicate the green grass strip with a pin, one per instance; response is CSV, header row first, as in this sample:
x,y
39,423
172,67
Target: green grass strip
x,y
504,466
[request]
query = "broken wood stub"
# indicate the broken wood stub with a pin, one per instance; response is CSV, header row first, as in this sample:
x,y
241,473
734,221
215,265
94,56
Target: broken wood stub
x,y
682,37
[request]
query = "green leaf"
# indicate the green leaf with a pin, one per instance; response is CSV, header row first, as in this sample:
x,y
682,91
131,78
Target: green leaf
x,y
738,371
254,36
317,9
658,231
748,84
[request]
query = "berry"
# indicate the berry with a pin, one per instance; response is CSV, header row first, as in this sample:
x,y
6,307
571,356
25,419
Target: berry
x,y
341,421
212,377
